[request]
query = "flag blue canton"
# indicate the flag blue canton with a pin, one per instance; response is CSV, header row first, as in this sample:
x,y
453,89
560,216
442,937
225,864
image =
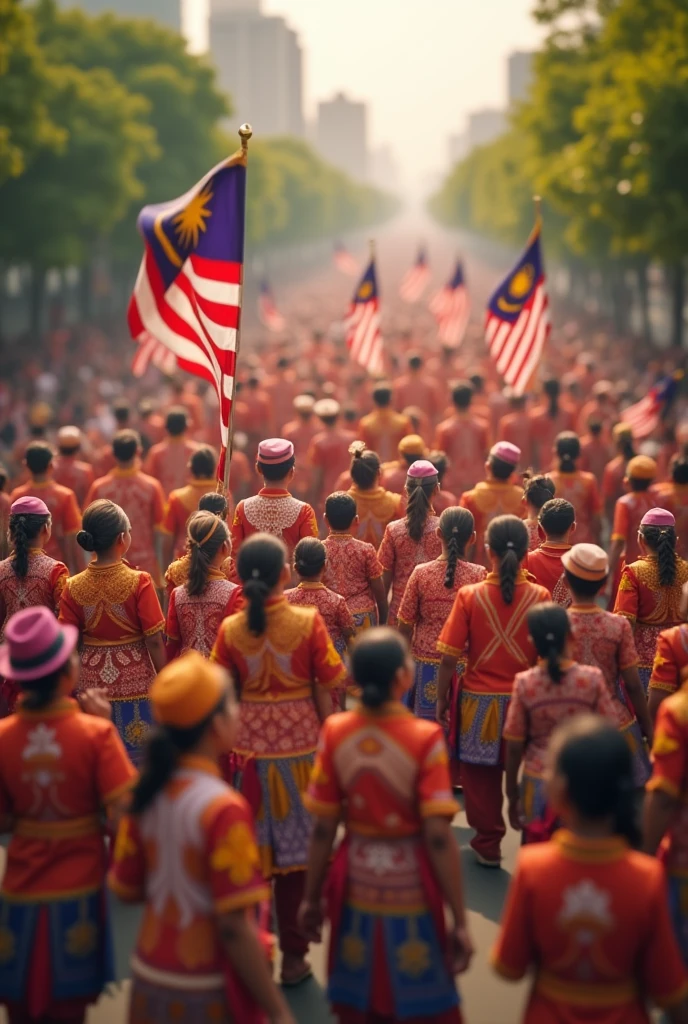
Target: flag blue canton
x,y
516,290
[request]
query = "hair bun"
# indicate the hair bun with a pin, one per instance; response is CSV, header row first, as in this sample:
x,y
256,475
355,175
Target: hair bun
x,y
85,540
356,448
372,695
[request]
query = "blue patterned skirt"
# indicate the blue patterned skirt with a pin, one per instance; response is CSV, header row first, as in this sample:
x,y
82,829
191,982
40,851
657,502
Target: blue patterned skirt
x,y
533,798
642,769
480,726
365,620
133,720
283,825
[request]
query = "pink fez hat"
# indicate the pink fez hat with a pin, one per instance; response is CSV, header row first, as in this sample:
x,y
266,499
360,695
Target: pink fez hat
x,y
274,450
36,644
29,506
420,469
658,517
507,452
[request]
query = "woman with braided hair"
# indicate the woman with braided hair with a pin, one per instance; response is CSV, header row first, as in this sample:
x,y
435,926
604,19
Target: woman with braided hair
x,y
649,593
428,601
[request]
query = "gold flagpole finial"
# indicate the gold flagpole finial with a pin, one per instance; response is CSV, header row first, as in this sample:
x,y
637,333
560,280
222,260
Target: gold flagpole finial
x,y
371,243
245,133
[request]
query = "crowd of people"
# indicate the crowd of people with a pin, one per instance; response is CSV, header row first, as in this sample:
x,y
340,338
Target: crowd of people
x,y
258,710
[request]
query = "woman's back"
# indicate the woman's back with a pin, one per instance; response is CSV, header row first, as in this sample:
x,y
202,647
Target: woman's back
x,y
42,585
399,554
193,621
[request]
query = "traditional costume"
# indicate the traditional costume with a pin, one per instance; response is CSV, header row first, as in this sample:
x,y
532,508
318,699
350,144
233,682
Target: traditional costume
x,y
351,566
545,565
580,489
168,462
182,503
64,512
143,501
671,657
376,508
491,498
193,620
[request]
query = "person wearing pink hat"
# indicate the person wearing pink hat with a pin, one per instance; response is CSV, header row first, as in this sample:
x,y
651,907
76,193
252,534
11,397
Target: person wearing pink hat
x,y
650,591
497,495
414,539
60,769
29,576
274,509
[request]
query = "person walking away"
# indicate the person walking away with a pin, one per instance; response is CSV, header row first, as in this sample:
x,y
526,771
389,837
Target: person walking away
x,y
558,524
63,774
650,591
606,641
495,496
68,469
615,470
120,622
413,540
488,622
383,428
641,472
516,426
198,607
398,869
187,851
673,494
353,569
536,491
427,604
64,510
595,453
550,693
578,487
590,882
375,506
418,387
671,658
329,450
410,449
443,499
285,667
465,437
547,423
168,461
301,431
178,571
184,502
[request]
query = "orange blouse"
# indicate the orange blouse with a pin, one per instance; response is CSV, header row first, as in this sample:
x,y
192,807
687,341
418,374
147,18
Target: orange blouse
x,y
375,508
671,658
182,503
582,491
641,597
111,605
486,501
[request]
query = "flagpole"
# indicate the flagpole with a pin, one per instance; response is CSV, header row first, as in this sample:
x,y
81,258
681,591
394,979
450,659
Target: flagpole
x,y
245,133
537,202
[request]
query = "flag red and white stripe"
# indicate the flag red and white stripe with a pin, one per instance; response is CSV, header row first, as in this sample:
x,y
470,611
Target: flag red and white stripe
x,y
451,307
415,280
345,262
152,353
268,313
363,333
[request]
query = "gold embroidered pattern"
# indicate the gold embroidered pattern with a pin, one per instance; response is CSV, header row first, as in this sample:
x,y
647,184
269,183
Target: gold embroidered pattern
x,y
113,585
237,854
668,598
288,627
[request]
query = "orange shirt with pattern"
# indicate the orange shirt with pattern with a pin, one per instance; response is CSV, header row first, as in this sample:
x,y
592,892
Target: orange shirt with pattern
x,y
486,501
351,565
64,511
581,490
276,511
143,501
606,641
376,508
182,503
641,597
671,658
42,585
670,775
427,603
399,554
177,573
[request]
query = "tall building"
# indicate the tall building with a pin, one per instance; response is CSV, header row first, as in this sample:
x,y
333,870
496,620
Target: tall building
x,y
167,12
342,135
259,64
484,126
520,74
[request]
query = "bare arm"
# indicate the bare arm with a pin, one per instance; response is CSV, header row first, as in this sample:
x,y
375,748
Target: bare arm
x,y
446,673
406,629
387,580
659,811
514,756
323,701
156,649
636,695
443,853
247,957
380,589
654,700
322,841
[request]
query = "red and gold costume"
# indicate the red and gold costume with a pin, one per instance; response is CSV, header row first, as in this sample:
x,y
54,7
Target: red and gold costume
x,y
486,501
581,490
74,474
674,497
43,584
493,637
383,774
671,657
168,462
382,430
351,565
628,513
649,607
399,554
193,622
59,769
177,572
191,857
376,508
276,511
143,501
544,429
545,565
180,505
115,608
332,607
590,918
465,440
64,512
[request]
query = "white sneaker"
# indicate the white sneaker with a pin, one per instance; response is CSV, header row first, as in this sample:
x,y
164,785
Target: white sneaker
x,y
485,863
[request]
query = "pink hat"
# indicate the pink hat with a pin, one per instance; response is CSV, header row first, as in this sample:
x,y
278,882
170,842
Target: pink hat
x,y
36,644
275,450
29,506
507,452
421,469
658,517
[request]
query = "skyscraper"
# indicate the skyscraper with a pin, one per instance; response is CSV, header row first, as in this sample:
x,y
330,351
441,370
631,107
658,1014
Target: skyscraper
x,y
520,74
167,12
342,135
258,61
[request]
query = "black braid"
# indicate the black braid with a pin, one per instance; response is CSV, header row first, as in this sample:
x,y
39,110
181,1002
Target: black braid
x,y
24,528
662,540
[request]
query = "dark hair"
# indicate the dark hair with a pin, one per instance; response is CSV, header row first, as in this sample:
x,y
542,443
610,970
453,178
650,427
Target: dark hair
x,y
125,445
456,526
273,472
203,462
549,626
164,746
662,541
507,537
440,461
382,395
501,470
121,410
309,557
595,427
376,657
23,529
415,362
38,456
538,489
38,693
3,476
340,509
462,394
552,389
102,523
568,450
260,562
639,484
596,761
176,421
365,465
624,442
419,491
583,588
556,517
205,535
214,502
679,469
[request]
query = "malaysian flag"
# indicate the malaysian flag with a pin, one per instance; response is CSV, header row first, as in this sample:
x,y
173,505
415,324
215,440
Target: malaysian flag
x,y
268,312
645,416
451,307
151,353
415,280
188,291
363,335
517,324
344,261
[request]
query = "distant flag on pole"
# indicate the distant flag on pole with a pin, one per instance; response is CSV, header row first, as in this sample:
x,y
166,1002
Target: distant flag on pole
x,y
644,417
451,307
187,294
268,312
517,323
344,261
152,353
363,335
415,280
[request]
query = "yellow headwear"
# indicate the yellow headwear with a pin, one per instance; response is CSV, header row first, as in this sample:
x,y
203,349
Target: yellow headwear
x,y
187,690
641,467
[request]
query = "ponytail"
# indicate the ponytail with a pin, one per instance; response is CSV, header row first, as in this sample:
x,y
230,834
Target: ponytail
x,y
365,466
376,657
23,529
419,491
260,563
552,390
548,625
568,449
205,535
507,538
662,540
456,526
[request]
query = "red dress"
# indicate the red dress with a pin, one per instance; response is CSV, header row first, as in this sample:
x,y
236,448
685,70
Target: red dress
x,y
399,554
545,565
64,511
193,622
143,501
351,565
274,511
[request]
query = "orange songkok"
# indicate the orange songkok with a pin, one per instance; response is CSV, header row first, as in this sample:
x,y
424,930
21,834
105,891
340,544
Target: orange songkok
x,y
187,690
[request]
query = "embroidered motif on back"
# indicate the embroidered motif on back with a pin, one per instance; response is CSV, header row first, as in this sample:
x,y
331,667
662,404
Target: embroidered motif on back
x,y
272,515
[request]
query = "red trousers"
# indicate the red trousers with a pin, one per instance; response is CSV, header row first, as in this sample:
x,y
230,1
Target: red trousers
x,y
483,801
288,892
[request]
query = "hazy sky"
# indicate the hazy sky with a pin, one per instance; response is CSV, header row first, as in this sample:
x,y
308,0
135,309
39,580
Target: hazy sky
x,y
422,65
